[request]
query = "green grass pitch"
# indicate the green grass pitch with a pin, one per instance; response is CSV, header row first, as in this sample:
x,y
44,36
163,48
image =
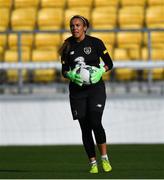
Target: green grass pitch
x,y
70,162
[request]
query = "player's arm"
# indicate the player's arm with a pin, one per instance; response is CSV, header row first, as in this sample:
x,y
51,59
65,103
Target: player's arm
x,y
103,53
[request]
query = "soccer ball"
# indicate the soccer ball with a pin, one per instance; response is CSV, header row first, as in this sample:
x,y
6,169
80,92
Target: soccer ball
x,y
85,72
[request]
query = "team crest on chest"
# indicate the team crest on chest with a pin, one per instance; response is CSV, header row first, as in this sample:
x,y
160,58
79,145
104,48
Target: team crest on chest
x,y
87,50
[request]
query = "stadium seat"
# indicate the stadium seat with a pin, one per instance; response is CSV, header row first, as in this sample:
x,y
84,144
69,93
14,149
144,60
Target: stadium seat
x,y
75,3
3,40
3,44
84,11
133,3
47,40
4,18
26,3
24,19
6,3
129,39
124,74
155,2
65,35
106,37
26,41
131,17
156,54
157,39
12,56
44,75
50,18
104,3
104,17
53,4
155,16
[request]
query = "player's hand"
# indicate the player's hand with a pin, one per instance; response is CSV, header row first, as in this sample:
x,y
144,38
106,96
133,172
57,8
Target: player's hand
x,y
97,74
74,77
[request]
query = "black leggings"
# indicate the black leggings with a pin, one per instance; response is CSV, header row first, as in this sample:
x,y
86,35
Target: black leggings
x,y
92,121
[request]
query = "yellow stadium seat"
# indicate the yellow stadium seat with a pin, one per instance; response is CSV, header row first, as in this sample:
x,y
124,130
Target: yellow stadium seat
x,y
99,3
106,37
45,55
52,3
26,41
75,3
120,54
83,11
104,17
44,75
131,17
155,16
133,2
47,41
12,56
3,44
24,19
26,3
157,39
1,53
3,40
124,74
50,18
65,35
6,3
156,54
129,40
4,18
155,2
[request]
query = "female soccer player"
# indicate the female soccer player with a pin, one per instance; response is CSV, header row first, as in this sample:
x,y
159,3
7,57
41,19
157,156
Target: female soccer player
x,y
87,101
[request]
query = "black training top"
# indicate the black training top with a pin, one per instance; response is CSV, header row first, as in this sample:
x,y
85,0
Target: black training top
x,y
86,52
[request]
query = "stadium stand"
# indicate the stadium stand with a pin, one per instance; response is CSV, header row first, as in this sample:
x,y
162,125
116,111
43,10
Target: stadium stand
x,y
133,3
6,3
154,17
4,18
50,18
50,15
3,44
129,39
12,56
156,54
155,2
53,4
26,3
131,17
125,74
75,3
157,39
44,75
104,3
104,17
26,41
24,19
47,40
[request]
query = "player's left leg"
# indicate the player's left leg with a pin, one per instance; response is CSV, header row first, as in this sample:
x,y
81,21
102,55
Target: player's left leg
x,y
88,143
